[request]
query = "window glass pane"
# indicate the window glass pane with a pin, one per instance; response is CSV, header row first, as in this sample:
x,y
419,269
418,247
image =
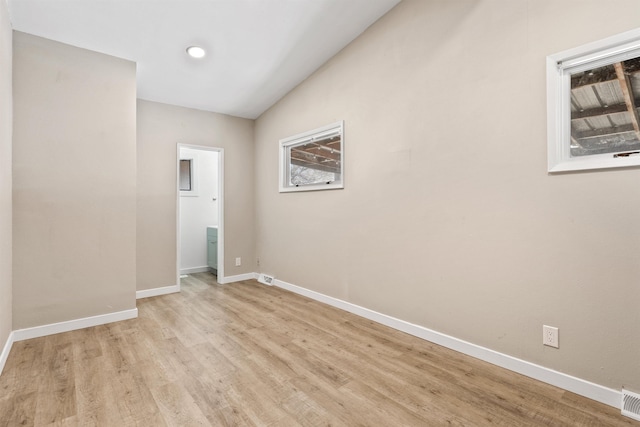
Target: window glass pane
x,y
315,162
604,115
185,175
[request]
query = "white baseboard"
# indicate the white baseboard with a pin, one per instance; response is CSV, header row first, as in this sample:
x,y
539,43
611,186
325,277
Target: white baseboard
x,y
5,351
567,382
202,269
237,278
146,293
72,325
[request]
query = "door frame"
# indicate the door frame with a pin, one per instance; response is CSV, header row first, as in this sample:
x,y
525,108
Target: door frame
x,y
220,151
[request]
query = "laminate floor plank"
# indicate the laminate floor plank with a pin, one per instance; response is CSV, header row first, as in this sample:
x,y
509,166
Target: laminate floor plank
x,y
177,407
56,399
95,405
19,410
370,372
254,394
246,354
22,373
229,416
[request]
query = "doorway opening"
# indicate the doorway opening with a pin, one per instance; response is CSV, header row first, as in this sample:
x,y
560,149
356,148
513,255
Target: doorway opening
x,y
200,210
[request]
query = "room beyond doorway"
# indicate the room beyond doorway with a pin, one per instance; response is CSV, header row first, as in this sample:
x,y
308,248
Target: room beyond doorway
x,y
200,201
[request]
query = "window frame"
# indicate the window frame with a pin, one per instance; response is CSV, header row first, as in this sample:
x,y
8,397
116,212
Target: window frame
x,y
284,166
559,68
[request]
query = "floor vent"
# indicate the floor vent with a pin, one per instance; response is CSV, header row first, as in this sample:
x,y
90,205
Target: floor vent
x,y
631,404
265,279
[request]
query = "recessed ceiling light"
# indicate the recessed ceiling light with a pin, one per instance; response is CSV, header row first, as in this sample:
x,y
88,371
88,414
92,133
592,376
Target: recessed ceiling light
x,y
195,51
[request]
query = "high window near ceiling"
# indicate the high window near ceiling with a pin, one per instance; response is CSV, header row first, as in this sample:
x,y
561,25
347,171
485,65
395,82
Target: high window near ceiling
x,y
313,160
593,98
604,114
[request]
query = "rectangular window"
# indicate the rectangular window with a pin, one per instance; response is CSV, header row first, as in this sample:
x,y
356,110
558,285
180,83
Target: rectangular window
x,y
185,175
593,96
313,160
188,178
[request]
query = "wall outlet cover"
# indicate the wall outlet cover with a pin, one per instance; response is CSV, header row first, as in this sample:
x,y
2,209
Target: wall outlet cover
x,y
550,336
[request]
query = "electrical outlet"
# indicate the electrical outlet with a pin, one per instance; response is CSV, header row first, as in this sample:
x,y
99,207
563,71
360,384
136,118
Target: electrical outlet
x,y
238,262
550,336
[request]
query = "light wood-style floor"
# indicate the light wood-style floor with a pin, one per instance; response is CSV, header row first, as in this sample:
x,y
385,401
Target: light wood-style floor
x,y
247,354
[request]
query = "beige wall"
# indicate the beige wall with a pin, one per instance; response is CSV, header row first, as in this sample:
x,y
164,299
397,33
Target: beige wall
x,y
74,183
160,128
449,219
6,110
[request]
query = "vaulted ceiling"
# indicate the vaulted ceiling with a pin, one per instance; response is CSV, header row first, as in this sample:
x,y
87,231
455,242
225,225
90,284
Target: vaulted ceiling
x,y
257,50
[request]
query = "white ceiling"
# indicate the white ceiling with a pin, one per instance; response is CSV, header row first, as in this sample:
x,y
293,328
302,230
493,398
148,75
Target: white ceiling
x,y
257,50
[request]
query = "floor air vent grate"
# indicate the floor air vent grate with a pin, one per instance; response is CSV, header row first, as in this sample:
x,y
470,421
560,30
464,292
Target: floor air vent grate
x,y
631,404
266,279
